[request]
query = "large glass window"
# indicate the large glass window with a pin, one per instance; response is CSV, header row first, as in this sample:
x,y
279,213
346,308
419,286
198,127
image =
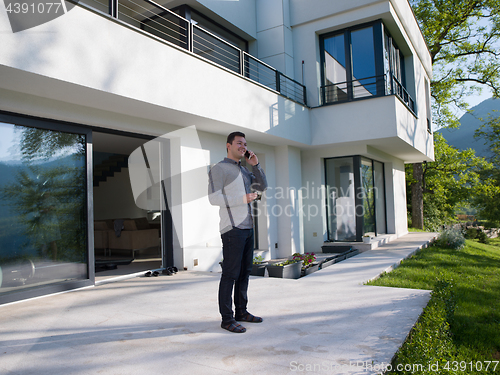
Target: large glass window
x,y
43,230
393,61
335,68
362,62
355,198
341,199
349,62
379,197
367,196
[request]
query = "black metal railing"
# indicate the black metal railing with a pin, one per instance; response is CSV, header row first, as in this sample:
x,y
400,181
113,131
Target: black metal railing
x,y
400,91
366,87
215,49
354,89
161,22
258,71
291,89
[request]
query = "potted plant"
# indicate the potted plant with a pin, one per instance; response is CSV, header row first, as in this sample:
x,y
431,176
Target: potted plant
x,y
258,266
288,269
308,264
366,238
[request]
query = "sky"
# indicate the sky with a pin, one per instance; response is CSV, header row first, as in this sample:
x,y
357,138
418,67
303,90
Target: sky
x,y
7,145
474,100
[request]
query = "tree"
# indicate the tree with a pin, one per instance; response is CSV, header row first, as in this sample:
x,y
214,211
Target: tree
x,y
452,179
46,199
489,195
462,36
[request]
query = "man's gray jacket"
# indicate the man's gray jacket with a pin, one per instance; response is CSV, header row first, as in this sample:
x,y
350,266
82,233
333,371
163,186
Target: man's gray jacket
x,y
229,182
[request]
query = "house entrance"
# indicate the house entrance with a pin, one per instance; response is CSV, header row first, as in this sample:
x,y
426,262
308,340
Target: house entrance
x,y
355,198
127,239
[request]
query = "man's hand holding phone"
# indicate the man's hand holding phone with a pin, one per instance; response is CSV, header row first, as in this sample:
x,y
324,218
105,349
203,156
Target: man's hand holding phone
x,y
251,158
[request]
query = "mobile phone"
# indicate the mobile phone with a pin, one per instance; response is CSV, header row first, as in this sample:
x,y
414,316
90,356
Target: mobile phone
x,y
247,155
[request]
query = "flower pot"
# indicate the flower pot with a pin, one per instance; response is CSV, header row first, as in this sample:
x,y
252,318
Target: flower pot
x,y
312,268
258,269
326,263
366,239
289,271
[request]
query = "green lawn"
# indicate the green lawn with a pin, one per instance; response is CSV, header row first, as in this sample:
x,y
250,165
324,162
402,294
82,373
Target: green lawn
x,y
459,330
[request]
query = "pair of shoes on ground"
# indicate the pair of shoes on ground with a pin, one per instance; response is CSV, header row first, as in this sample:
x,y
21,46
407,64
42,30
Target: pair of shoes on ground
x,y
236,327
154,273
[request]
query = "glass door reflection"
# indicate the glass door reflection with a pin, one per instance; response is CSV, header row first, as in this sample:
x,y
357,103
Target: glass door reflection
x,y
43,230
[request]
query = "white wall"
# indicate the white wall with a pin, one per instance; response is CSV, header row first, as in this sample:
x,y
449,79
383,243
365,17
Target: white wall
x,y
315,229
274,35
287,209
241,13
382,122
82,57
397,221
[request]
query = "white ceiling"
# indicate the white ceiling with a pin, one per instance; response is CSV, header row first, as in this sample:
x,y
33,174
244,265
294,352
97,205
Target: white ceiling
x,y
115,144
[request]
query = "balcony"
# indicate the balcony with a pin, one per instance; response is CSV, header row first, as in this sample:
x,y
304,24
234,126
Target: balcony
x,y
158,21
367,87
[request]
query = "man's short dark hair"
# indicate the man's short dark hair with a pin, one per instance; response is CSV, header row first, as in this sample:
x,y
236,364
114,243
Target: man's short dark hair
x,y
230,137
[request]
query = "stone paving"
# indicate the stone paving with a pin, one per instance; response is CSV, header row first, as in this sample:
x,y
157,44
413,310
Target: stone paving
x,y
327,322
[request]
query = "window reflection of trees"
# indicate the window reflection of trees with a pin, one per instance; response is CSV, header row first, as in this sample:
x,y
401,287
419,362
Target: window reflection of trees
x,y
47,198
368,197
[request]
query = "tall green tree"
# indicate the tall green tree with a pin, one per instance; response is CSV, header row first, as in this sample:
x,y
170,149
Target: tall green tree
x,y
488,197
463,40
451,180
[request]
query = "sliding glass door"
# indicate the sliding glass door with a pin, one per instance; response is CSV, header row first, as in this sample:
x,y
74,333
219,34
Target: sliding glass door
x,y
341,204
355,198
43,209
367,196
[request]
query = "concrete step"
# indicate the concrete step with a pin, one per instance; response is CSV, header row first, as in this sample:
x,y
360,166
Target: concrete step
x,y
375,242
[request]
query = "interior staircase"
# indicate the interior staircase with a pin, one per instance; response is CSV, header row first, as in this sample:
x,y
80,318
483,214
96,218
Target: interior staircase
x,y
109,167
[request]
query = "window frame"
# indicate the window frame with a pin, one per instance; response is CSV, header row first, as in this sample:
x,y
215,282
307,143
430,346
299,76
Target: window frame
x,y
46,124
358,197
378,48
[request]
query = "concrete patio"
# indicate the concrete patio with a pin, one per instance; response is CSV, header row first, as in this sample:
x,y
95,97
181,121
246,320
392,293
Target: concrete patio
x,y
327,322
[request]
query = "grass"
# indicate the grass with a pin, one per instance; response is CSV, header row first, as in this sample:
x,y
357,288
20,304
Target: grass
x,y
460,327
416,230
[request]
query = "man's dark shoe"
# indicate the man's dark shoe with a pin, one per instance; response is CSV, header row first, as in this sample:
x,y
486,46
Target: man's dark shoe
x,y
247,317
233,327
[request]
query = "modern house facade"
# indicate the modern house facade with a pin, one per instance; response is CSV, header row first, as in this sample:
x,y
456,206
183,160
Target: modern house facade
x,y
333,97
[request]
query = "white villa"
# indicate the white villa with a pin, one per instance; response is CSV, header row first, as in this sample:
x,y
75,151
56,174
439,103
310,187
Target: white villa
x,y
333,97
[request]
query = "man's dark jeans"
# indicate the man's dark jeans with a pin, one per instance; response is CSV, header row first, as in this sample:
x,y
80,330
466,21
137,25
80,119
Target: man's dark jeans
x,y
237,252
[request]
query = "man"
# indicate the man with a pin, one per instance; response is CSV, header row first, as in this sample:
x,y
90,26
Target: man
x,y
230,187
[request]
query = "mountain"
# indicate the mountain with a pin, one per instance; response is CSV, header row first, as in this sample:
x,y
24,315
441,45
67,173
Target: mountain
x,y
463,137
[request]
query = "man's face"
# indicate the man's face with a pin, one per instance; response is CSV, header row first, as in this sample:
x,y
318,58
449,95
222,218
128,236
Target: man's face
x,y
237,149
